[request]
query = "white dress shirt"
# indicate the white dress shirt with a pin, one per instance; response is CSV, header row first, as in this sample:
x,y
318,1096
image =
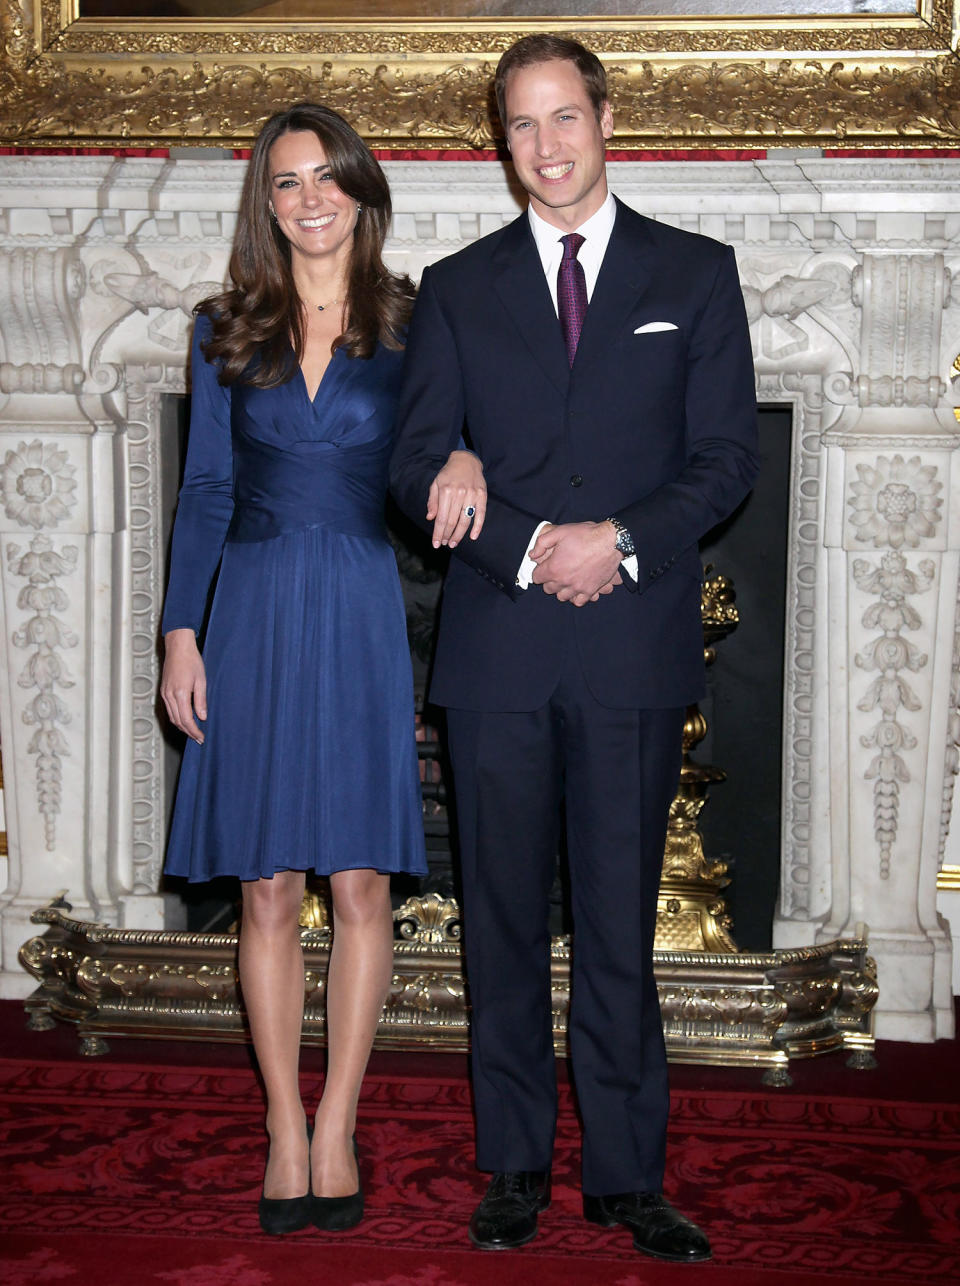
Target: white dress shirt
x,y
596,235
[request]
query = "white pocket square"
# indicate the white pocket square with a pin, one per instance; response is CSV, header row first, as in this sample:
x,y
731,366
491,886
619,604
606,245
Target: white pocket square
x,y
648,327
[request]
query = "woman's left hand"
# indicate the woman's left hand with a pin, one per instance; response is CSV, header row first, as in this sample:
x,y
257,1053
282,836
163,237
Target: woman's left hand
x,y
457,488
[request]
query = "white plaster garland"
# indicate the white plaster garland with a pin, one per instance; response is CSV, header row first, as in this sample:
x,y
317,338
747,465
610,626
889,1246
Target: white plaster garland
x,y
895,503
891,654
45,669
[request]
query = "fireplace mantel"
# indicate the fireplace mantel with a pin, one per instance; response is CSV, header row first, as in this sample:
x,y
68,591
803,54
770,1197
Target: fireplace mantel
x,y
851,273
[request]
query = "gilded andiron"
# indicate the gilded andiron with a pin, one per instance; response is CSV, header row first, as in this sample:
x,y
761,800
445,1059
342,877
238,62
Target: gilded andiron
x,y
691,914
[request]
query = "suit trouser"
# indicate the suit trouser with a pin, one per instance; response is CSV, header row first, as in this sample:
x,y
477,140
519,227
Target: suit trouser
x,y
615,772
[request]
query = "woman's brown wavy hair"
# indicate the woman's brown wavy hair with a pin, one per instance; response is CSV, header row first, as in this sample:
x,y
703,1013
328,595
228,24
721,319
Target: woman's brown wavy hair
x,y
261,314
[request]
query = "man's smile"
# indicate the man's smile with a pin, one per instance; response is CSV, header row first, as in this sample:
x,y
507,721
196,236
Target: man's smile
x,y
553,172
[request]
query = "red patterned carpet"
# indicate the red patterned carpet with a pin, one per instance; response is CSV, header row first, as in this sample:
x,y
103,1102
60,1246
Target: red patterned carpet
x,y
144,1167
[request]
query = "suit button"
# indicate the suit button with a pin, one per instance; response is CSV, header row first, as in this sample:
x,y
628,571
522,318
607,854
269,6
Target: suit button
x,y
576,480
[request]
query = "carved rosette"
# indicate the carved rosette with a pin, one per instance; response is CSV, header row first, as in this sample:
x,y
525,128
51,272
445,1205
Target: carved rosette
x,y
895,502
37,484
45,636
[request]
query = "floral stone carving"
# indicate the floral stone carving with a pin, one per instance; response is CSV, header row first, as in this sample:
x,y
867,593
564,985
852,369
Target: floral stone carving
x,y
45,634
891,654
38,484
895,502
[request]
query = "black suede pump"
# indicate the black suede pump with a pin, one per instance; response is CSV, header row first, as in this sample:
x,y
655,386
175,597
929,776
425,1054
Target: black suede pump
x,y
280,1215
338,1214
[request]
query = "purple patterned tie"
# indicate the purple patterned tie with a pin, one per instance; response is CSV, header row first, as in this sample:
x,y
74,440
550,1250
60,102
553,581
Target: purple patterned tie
x,y
571,293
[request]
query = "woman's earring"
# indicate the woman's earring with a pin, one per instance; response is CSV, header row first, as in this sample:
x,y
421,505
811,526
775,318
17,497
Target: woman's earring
x,y
359,209
273,213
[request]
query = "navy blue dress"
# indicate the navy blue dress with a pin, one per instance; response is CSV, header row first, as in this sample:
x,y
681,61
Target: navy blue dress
x,y
309,758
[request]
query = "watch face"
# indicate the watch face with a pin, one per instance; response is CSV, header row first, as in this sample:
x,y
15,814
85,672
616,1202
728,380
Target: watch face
x,y
624,541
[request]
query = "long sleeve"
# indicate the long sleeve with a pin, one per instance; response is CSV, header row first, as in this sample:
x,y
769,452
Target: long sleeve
x,y
430,422
721,419
205,506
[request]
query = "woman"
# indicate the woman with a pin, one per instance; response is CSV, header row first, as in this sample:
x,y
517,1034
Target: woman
x,y
306,758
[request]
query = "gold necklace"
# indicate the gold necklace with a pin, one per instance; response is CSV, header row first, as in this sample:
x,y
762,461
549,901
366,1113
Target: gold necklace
x,y
322,307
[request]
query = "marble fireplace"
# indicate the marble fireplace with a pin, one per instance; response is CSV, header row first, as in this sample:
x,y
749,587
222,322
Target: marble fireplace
x,y
851,273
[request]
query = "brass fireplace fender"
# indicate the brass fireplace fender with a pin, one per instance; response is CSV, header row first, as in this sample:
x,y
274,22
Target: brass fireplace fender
x,y
747,1009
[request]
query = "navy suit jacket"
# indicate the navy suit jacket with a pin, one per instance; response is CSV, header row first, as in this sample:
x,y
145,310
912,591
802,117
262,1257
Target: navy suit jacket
x,y
657,429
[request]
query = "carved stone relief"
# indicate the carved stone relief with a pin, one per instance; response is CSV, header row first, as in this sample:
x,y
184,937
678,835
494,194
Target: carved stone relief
x,y
896,502
144,388
38,484
892,654
951,765
847,304
45,637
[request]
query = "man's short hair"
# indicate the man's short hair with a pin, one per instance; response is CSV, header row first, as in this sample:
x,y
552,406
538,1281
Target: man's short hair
x,y
529,51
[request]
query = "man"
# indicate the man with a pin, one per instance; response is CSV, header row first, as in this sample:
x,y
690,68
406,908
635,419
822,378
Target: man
x,y
606,383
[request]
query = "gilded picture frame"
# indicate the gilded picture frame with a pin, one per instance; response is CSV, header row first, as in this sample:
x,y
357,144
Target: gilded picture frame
x,y
858,81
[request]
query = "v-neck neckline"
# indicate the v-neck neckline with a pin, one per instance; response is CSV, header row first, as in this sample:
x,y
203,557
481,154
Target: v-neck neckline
x,y
303,378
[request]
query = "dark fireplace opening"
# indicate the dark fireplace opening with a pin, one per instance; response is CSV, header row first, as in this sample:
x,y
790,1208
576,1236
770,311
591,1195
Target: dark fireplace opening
x,y
744,706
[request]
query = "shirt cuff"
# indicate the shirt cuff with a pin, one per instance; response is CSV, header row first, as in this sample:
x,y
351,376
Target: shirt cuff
x,y
525,573
629,565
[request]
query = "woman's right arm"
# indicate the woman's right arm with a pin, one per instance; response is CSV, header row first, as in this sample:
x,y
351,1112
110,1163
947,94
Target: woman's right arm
x,y
459,487
183,684
204,510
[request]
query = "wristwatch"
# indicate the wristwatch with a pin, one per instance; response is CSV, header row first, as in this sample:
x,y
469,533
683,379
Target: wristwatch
x,y
624,539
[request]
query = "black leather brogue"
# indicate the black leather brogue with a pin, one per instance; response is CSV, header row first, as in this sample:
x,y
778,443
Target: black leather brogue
x,y
657,1228
507,1215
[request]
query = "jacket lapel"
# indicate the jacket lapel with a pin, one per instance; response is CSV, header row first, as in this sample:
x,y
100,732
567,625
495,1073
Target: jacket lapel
x,y
519,281
624,275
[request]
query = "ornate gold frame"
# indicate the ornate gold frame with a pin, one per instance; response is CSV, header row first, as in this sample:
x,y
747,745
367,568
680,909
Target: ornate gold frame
x,y
880,81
